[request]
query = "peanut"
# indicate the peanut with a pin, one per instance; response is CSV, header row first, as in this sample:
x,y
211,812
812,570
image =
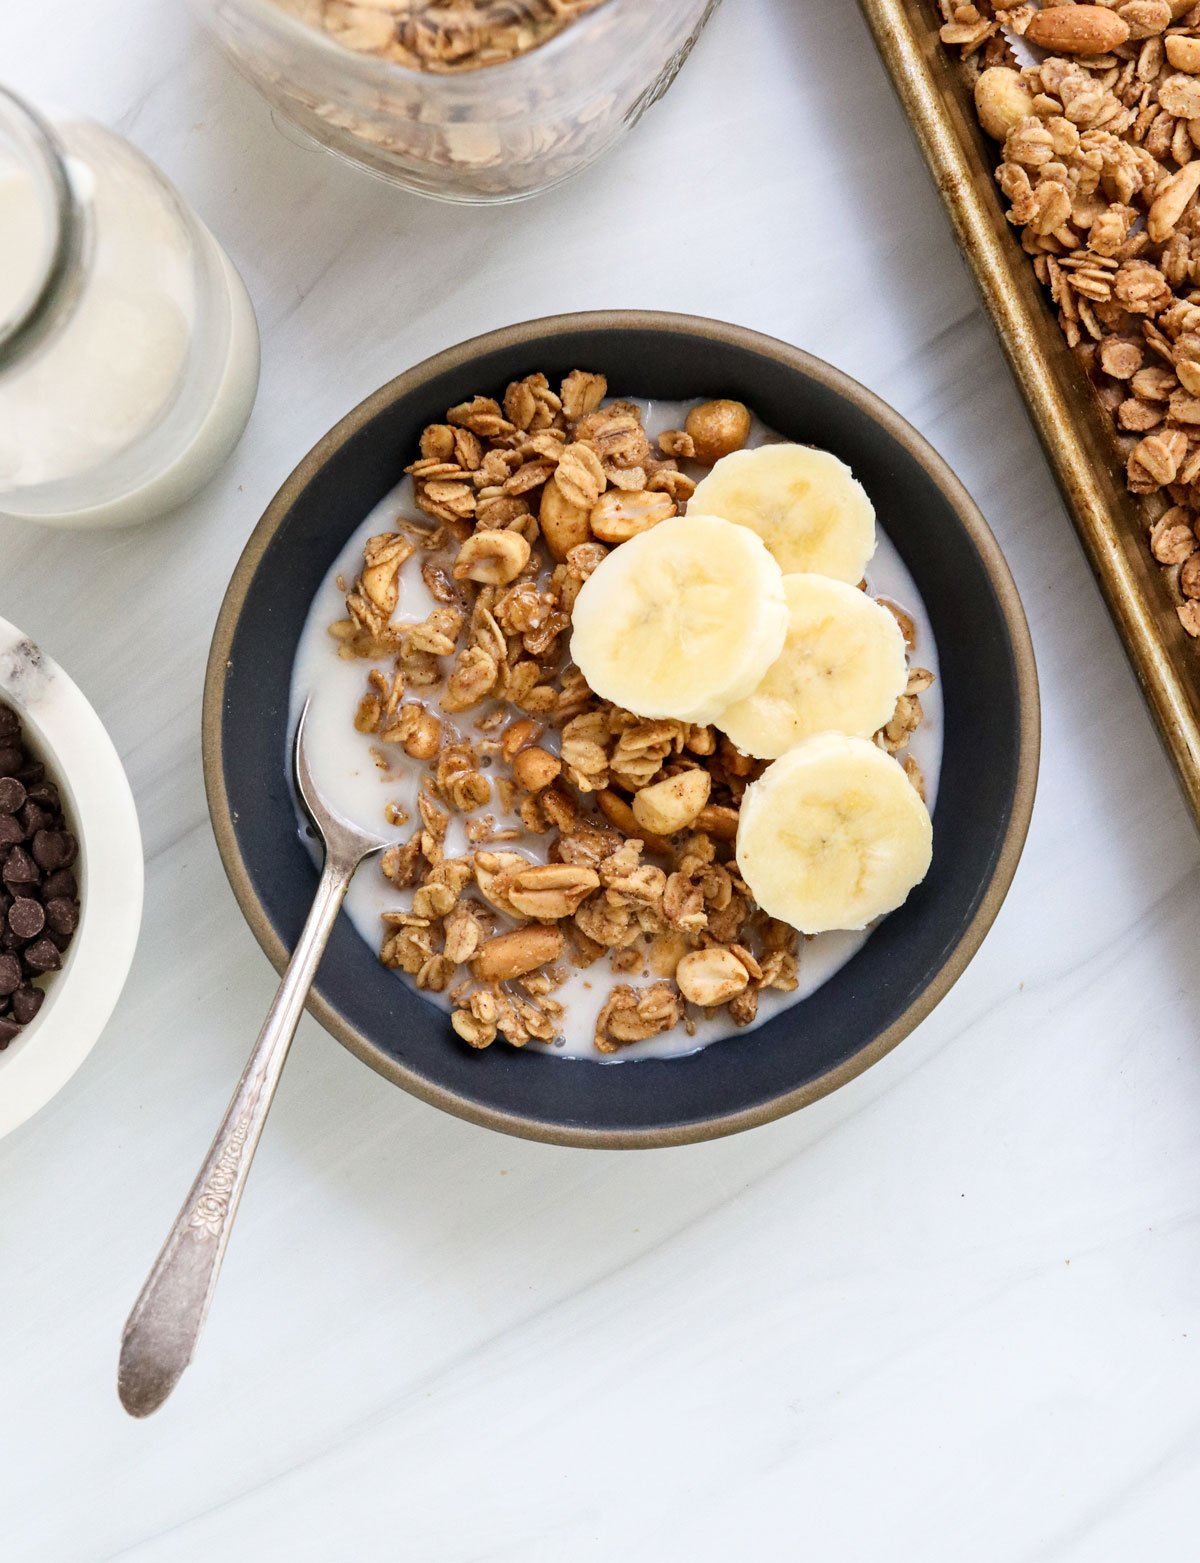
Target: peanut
x,y
513,954
564,524
1002,100
710,977
552,890
1077,29
672,804
536,768
424,735
494,557
617,516
1183,54
717,428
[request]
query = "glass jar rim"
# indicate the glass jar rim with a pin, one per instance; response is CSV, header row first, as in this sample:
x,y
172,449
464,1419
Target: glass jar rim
x,y
44,153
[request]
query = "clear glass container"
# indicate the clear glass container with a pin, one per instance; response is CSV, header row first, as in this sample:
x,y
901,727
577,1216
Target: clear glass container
x,y
497,133
128,346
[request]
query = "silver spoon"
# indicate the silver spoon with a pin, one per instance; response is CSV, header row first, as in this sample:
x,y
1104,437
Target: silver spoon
x,y
161,1333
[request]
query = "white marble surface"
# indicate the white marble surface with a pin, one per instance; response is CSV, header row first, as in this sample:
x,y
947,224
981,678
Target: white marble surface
x,y
949,1313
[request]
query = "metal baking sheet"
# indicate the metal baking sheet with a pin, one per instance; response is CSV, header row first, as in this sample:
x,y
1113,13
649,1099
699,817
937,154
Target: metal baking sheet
x,y
1073,427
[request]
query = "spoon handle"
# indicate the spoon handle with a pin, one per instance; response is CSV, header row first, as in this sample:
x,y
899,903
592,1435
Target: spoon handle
x,y
162,1330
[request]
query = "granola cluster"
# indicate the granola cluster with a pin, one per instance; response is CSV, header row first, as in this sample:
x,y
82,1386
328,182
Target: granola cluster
x,y
633,820
1100,170
447,36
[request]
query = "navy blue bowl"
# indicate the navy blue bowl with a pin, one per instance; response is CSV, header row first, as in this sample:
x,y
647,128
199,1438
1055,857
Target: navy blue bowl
x,y
985,794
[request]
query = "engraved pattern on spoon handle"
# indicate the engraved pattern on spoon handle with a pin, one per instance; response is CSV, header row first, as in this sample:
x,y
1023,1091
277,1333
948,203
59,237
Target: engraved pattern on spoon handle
x,y
162,1330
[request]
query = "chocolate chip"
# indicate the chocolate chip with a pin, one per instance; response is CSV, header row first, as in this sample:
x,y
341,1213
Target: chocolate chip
x,y
61,883
20,869
35,818
10,974
26,1002
62,915
27,917
54,848
39,908
12,794
42,956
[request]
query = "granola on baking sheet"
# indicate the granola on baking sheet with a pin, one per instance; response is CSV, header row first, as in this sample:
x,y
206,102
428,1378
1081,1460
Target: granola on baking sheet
x,y
634,819
1100,169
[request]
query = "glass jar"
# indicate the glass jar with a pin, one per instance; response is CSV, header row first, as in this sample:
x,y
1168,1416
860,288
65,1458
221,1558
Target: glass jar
x,y
497,133
128,345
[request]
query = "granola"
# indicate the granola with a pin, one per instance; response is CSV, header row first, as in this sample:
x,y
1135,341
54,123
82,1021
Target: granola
x,y
1100,169
445,36
556,831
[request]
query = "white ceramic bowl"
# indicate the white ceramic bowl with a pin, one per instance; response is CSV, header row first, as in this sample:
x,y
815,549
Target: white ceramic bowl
x,y
62,730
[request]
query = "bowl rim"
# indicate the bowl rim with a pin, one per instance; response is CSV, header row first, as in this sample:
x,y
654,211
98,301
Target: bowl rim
x,y
85,763
1004,864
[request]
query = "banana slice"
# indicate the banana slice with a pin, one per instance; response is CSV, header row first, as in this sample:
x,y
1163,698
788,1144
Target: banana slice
x,y
681,620
805,504
833,835
841,670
